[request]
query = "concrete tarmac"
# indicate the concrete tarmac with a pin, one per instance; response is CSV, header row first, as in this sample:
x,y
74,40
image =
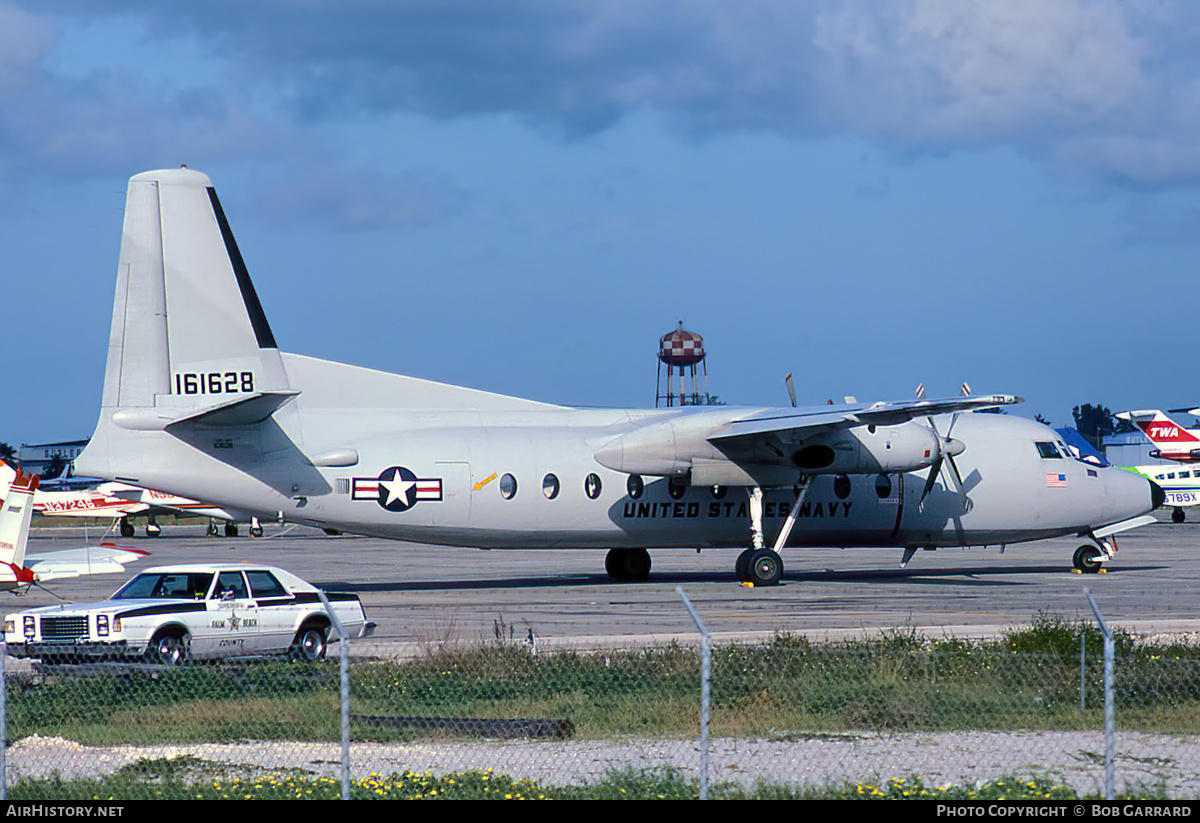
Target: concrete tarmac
x,y
425,597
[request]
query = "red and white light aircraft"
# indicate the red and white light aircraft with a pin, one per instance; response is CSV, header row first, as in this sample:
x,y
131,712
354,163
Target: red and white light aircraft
x,y
17,570
120,501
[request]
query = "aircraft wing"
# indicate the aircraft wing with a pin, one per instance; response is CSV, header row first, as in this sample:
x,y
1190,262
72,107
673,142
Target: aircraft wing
x,y
102,559
809,421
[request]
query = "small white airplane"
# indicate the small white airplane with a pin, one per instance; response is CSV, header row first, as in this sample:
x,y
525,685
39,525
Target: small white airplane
x,y
1181,484
200,401
121,501
15,515
1174,442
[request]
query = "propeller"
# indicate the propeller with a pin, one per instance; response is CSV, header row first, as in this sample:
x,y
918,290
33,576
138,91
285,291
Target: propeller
x,y
946,448
791,387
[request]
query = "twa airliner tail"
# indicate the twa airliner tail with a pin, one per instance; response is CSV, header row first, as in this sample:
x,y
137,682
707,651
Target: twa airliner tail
x,y
1174,442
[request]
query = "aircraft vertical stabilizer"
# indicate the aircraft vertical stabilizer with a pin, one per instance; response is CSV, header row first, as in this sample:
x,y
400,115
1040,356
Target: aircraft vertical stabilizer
x,y
189,338
15,517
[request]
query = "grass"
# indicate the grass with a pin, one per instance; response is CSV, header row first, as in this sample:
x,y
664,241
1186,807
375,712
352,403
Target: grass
x,y
789,687
192,779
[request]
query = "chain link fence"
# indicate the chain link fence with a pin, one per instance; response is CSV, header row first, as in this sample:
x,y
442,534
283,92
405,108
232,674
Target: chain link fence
x,y
787,713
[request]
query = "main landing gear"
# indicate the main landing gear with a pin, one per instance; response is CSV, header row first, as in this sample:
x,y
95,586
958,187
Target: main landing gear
x,y
627,564
1177,516
127,530
759,565
231,529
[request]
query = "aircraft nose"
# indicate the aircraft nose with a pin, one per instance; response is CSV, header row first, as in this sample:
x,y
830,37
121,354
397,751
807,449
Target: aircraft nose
x,y
1157,495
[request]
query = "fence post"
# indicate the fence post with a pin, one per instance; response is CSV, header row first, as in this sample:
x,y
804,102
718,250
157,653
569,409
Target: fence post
x,y
1082,673
1109,720
3,721
705,690
344,680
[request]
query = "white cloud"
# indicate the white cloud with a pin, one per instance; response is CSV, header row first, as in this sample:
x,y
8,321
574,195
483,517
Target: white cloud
x,y
1098,85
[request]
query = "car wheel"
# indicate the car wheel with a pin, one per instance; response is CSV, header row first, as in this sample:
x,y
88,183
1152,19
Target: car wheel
x,y
310,643
167,649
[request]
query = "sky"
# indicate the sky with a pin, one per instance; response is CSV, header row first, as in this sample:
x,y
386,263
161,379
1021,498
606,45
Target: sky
x,y
524,196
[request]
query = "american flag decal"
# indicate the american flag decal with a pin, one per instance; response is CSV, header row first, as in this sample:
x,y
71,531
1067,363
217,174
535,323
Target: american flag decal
x,y
396,489
1056,481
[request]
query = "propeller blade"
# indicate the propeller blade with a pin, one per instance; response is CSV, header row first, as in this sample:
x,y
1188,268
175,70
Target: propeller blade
x,y
946,449
791,387
934,470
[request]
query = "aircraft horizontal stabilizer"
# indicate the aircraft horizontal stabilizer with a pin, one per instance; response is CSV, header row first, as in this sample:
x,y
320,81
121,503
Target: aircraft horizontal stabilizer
x,y
241,412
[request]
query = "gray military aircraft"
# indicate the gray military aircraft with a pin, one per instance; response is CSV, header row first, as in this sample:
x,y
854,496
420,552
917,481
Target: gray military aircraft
x,y
200,401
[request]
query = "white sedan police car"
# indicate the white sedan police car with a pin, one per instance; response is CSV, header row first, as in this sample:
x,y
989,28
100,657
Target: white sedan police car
x,y
201,611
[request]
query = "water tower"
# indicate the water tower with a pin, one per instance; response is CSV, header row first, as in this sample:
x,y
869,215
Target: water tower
x,y
682,352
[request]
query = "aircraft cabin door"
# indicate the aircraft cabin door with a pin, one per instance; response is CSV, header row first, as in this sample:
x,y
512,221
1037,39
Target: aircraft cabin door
x,y
455,508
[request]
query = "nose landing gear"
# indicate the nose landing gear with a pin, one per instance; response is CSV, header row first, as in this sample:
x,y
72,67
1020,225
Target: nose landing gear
x,y
1090,559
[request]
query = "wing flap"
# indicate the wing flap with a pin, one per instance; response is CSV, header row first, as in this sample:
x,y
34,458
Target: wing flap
x,y
779,422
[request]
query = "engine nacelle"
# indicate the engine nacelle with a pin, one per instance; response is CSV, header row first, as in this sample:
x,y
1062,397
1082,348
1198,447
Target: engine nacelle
x,y
871,449
680,446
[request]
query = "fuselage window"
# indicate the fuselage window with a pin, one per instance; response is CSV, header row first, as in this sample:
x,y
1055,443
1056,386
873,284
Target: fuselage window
x,y
592,486
677,488
1048,450
883,486
841,486
550,486
635,486
508,487
719,491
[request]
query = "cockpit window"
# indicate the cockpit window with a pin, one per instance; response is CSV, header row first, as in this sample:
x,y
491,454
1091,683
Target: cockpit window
x,y
1048,450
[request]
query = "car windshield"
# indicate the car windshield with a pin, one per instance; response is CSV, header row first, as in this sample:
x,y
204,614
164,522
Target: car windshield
x,y
188,585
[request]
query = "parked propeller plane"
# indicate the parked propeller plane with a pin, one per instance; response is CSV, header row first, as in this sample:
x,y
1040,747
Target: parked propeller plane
x,y
15,515
121,502
200,401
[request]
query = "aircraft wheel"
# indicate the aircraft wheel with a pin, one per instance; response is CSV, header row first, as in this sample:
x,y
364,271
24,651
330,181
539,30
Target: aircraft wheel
x,y
126,528
256,531
742,567
153,530
1087,559
765,568
169,649
627,564
231,530
310,643
1178,516
212,529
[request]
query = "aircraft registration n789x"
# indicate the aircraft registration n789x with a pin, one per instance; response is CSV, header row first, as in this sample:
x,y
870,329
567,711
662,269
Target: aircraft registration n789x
x,y
200,401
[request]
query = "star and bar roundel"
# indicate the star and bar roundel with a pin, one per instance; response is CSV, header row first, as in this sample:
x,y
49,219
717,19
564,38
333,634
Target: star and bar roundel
x,y
397,489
